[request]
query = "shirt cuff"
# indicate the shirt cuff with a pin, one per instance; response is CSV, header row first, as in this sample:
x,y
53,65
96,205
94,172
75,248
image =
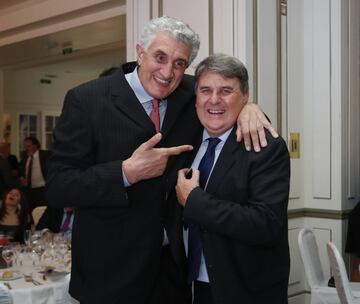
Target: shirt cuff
x,y
126,182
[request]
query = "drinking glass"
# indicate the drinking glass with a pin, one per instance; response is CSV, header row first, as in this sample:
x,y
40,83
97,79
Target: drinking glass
x,y
8,255
27,237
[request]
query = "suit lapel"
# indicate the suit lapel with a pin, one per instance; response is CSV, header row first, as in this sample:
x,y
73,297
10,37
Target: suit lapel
x,y
175,103
224,162
125,100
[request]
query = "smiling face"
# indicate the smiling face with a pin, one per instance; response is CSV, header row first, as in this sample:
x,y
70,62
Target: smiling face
x,y
218,102
162,65
13,198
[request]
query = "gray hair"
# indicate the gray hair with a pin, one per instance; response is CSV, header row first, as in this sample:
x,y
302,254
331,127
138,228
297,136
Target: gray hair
x,y
225,65
175,28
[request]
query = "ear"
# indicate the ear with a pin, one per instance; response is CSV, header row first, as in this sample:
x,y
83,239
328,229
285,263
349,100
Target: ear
x,y
139,53
245,98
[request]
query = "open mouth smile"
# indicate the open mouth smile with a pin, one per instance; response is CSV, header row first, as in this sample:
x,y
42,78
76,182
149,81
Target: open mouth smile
x,y
215,112
162,81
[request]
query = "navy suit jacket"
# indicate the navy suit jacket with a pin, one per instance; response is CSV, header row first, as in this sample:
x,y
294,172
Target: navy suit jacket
x,y
243,219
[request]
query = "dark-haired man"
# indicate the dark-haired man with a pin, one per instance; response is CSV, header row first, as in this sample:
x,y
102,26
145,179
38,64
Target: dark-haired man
x,y
235,203
34,171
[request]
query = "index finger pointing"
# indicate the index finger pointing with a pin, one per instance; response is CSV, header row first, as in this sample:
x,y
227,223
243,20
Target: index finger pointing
x,y
151,143
176,150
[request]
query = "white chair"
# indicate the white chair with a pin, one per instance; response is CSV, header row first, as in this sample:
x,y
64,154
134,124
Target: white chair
x,y
343,286
320,292
37,213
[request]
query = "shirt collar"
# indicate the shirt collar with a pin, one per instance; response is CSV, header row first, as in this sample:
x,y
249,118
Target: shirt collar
x,y
36,154
137,87
223,137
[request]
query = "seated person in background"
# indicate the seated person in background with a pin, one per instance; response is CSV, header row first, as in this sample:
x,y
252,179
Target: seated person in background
x,y
55,220
14,215
353,243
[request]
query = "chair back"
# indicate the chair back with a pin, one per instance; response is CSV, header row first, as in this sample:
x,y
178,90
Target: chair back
x,y
310,256
37,213
340,275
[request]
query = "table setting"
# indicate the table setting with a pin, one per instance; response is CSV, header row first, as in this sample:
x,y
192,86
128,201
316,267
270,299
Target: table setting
x,y
37,271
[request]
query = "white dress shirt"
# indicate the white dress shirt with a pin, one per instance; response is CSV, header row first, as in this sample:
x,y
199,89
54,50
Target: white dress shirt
x,y
37,178
203,275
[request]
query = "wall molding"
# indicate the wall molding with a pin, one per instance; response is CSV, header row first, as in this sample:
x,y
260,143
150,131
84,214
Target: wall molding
x,y
318,213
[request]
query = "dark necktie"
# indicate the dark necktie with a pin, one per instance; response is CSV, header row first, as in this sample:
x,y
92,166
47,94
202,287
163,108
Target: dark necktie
x,y
65,225
194,240
29,171
154,115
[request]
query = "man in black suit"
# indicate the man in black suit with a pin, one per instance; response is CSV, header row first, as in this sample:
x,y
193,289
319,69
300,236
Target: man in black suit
x,y
7,179
112,163
34,172
11,159
54,218
236,220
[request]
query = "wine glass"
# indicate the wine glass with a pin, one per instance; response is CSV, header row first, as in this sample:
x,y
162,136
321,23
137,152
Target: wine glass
x,y
36,238
8,255
27,237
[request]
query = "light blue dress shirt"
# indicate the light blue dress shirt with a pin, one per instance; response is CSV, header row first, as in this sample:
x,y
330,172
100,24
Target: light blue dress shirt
x,y
203,275
146,101
68,232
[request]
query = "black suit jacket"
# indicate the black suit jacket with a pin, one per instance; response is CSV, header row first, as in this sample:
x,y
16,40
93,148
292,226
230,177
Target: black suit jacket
x,y
117,232
44,156
7,181
243,218
51,219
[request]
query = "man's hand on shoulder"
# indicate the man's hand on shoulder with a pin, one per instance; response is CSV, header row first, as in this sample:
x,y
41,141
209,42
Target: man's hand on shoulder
x,y
250,127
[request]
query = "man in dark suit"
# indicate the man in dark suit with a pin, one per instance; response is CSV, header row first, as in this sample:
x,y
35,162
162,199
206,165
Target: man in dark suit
x,y
34,172
353,243
236,220
7,179
110,161
11,159
54,218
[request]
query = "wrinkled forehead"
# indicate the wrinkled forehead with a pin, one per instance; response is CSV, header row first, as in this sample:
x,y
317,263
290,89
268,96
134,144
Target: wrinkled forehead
x,y
168,44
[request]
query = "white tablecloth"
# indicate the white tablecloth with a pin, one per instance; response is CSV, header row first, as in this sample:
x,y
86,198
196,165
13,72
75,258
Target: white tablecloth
x,y
49,292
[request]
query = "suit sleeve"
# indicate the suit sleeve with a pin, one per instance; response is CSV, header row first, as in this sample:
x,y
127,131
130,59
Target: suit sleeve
x,y
44,221
259,216
5,170
74,176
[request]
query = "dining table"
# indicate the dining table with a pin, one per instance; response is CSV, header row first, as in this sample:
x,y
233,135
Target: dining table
x,y
41,288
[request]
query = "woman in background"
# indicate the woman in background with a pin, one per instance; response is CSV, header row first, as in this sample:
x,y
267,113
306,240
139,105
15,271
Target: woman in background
x,y
14,215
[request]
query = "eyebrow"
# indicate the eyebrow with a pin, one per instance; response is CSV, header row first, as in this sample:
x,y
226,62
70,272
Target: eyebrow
x,y
221,88
161,52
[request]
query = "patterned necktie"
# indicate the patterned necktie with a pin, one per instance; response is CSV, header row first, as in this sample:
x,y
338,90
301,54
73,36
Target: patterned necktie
x,y
154,115
194,239
65,225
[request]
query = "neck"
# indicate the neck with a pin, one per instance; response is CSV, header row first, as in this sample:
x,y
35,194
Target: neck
x,y
11,209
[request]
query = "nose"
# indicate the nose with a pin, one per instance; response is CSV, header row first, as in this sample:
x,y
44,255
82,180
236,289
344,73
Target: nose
x,y
167,70
214,98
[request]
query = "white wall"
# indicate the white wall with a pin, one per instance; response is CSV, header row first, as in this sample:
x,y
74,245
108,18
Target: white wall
x,y
315,99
